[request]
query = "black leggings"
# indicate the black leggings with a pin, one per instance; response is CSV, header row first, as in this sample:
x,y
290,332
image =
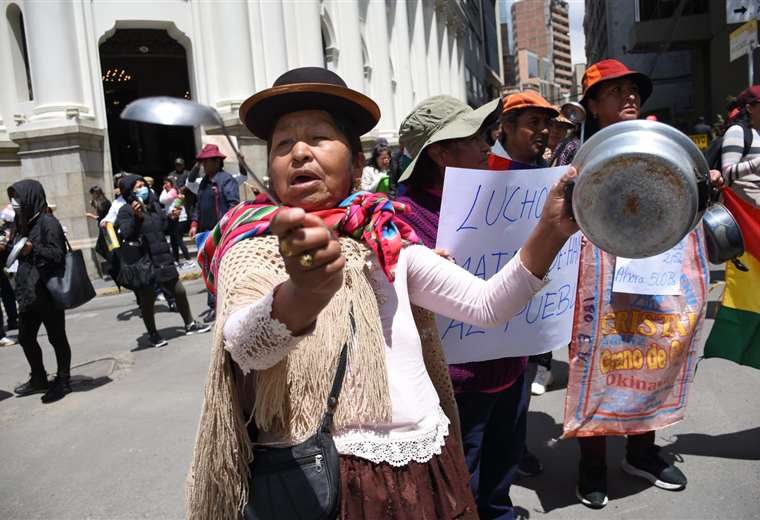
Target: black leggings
x,y
146,296
44,312
175,230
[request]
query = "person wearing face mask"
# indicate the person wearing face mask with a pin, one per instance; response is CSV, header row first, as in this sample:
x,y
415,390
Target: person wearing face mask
x,y
142,223
42,257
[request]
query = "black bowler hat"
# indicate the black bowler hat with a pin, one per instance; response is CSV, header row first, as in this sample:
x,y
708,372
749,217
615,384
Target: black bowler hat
x,y
307,88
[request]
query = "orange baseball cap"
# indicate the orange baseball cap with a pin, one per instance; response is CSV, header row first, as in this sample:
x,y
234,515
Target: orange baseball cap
x,y
606,70
527,99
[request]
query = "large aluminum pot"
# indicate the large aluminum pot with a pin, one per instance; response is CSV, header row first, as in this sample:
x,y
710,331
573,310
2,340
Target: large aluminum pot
x,y
642,186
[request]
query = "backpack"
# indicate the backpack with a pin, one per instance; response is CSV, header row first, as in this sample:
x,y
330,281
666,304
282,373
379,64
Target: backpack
x,y
714,152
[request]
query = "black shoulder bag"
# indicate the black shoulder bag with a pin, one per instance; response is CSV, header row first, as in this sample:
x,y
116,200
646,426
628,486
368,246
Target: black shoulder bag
x,y
72,288
301,482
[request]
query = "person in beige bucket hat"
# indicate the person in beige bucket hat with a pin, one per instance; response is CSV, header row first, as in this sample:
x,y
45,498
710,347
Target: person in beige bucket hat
x,y
443,118
491,396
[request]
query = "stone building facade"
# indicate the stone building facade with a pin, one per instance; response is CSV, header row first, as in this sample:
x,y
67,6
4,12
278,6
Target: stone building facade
x,y
75,64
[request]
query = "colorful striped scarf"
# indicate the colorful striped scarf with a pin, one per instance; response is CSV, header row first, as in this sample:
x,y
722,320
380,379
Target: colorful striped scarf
x,y
369,217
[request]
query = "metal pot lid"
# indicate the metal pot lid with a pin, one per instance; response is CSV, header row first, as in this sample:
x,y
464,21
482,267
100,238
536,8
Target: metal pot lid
x,y
637,191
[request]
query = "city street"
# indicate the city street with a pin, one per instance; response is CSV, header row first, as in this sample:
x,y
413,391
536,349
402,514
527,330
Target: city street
x,y
120,445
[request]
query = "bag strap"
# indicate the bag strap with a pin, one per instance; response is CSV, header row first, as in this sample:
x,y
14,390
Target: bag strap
x,y
68,246
748,138
332,400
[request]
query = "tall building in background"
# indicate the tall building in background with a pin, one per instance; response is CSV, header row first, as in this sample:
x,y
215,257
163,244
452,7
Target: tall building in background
x,y
482,51
540,56
560,45
683,46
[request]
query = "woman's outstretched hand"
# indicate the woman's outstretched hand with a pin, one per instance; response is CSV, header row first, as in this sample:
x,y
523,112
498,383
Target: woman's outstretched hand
x,y
553,230
314,262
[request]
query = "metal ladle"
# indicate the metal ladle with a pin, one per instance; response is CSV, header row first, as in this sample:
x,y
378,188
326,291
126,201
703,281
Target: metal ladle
x,y
575,113
171,111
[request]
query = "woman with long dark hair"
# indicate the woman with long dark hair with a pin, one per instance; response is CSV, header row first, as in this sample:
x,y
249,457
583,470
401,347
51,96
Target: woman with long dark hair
x,y
100,203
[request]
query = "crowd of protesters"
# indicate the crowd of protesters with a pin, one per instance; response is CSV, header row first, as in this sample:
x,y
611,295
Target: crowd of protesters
x,y
290,291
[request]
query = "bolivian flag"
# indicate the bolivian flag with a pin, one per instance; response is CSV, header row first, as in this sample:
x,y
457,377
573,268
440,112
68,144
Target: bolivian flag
x,y
736,333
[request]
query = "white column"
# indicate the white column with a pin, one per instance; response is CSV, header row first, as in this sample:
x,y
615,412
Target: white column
x,y
433,61
304,33
456,84
232,65
273,41
54,58
445,63
418,53
402,64
345,16
377,42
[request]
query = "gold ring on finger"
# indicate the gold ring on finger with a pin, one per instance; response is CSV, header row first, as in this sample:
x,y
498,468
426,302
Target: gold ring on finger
x,y
306,260
285,249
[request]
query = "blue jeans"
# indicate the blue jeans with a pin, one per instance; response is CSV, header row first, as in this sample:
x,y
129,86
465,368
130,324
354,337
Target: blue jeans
x,y
493,435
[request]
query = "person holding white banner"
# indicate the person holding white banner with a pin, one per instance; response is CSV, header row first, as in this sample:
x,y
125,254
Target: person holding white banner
x,y
491,395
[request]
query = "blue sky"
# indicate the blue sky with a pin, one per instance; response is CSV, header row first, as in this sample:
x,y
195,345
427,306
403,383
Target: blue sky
x,y
577,37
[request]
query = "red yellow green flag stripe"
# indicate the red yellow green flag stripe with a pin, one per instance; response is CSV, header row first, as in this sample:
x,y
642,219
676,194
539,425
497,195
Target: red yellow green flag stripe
x,y
736,332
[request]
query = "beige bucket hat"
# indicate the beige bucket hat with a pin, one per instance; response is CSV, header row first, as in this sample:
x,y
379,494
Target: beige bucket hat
x,y
440,118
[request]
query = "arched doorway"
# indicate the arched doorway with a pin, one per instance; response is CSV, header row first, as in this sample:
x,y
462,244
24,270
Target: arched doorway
x,y
138,63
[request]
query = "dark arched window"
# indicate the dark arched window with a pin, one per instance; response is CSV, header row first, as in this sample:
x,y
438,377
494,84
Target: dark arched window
x,y
19,54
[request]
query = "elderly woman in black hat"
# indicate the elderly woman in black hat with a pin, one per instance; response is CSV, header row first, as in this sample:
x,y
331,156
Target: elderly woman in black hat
x,y
318,293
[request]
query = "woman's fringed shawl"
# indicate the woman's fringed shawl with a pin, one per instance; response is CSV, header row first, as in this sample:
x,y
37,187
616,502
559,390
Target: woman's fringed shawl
x,y
289,398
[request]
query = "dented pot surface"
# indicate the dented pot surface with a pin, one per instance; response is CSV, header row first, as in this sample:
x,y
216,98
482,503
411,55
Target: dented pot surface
x,y
642,187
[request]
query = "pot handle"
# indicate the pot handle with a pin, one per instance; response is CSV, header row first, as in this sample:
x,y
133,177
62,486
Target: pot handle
x,y
569,187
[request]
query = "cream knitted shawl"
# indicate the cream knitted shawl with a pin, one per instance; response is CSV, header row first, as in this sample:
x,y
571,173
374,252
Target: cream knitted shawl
x,y
290,397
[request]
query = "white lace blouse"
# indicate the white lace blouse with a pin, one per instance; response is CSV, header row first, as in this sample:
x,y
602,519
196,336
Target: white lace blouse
x,y
418,426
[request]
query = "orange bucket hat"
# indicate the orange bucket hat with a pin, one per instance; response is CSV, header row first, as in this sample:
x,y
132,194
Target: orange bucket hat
x,y
527,99
606,70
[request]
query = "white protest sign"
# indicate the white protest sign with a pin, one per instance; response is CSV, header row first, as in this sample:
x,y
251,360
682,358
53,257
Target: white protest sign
x,y
485,218
656,275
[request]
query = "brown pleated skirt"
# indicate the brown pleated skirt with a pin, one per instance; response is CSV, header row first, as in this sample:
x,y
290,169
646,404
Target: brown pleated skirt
x,y
436,490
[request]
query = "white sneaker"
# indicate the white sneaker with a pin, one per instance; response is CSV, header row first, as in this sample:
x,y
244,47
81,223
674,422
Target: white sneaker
x,y
7,342
542,381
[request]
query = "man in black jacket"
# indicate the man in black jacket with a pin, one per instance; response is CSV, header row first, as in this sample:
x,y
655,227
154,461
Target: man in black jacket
x,y
218,192
42,257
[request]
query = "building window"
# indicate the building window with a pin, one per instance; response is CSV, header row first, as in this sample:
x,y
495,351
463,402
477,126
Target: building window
x,y
19,53
329,49
532,66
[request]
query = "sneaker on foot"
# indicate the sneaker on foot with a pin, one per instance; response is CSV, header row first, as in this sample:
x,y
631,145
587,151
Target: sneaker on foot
x,y
7,342
157,341
529,466
210,316
196,328
58,390
35,385
592,485
650,466
542,381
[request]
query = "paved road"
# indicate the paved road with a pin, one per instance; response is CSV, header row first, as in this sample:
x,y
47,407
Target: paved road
x,y
119,447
